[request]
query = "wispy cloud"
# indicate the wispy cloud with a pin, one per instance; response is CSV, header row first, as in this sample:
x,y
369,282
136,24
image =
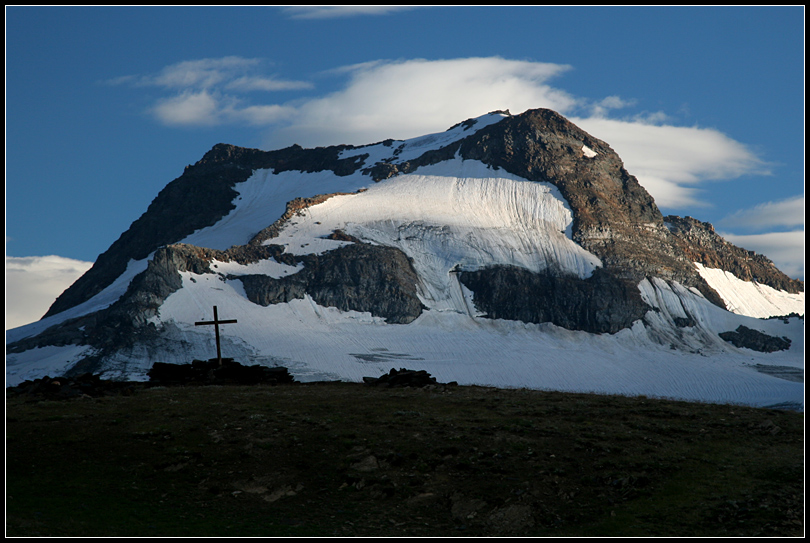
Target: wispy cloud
x,y
189,109
602,107
202,73
214,91
403,99
672,161
332,12
247,83
785,249
34,282
787,213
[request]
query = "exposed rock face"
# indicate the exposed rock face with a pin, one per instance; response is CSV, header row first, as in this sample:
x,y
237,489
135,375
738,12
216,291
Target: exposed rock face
x,y
127,320
358,277
362,277
402,378
614,217
601,303
700,243
755,340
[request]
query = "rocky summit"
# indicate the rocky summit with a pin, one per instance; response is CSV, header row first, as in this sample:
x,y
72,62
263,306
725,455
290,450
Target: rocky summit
x,y
509,250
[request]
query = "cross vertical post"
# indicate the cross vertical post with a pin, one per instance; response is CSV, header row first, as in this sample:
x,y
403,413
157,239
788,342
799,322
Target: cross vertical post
x,y
216,322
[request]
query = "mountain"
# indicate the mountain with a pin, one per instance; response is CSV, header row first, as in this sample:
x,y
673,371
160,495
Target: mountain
x,y
509,250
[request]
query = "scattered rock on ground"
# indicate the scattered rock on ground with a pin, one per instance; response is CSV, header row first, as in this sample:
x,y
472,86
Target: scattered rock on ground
x,y
87,384
199,372
403,378
210,372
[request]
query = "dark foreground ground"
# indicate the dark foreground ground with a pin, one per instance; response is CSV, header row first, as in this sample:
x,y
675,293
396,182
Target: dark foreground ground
x,y
340,459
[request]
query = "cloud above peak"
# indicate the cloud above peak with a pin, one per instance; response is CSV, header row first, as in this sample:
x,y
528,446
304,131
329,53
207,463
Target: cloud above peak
x,y
409,98
380,99
672,161
333,12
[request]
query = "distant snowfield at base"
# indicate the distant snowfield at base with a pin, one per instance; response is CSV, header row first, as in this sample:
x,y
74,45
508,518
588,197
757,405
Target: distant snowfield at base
x,y
52,361
318,343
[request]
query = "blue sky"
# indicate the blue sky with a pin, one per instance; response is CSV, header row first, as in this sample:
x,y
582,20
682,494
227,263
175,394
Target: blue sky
x,y
106,105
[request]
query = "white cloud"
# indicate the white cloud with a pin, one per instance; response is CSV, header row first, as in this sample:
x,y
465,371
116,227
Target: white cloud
x,y
331,12
34,282
404,99
203,73
407,98
786,213
189,109
603,106
785,249
261,115
671,161
651,117
247,83
210,92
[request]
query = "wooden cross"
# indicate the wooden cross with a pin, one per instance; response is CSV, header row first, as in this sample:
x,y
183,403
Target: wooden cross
x,y
216,322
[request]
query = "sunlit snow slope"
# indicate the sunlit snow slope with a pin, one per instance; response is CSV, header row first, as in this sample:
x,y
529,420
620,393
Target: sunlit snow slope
x,y
751,299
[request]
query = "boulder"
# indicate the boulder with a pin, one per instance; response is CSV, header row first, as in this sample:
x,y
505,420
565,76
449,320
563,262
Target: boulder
x,y
744,337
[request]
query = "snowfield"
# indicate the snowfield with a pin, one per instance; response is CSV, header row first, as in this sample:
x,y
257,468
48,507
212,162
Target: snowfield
x,y
752,299
455,215
323,343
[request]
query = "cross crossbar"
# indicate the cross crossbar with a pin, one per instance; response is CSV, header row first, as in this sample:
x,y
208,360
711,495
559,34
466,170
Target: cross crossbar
x,y
216,322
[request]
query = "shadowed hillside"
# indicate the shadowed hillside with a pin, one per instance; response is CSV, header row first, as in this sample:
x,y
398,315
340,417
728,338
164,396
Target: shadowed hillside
x,y
341,459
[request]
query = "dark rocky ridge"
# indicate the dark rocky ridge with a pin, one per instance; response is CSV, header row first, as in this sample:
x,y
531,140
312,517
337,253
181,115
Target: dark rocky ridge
x,y
615,218
217,372
197,199
294,207
127,320
603,303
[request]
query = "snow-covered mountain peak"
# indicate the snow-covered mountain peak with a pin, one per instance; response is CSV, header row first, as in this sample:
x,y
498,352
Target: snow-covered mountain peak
x,y
508,250
398,151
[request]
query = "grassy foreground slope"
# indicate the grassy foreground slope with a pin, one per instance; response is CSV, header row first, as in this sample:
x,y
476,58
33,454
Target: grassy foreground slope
x,y
343,459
